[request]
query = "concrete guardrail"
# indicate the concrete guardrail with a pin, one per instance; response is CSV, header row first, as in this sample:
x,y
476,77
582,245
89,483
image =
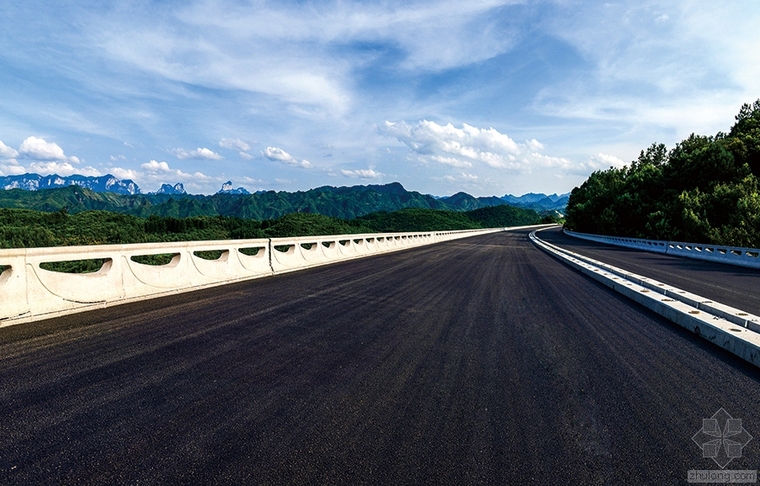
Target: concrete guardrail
x,y
28,292
745,257
732,329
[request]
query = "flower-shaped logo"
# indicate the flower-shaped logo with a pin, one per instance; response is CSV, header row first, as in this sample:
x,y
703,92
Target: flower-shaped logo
x,y
722,438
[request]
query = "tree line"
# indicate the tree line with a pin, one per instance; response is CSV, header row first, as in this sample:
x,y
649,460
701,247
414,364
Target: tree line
x,y
703,190
24,228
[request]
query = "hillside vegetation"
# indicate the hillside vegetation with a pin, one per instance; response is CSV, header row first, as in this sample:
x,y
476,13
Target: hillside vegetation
x,y
337,202
704,190
24,228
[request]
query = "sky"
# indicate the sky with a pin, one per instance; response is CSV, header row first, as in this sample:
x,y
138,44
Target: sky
x,y
487,97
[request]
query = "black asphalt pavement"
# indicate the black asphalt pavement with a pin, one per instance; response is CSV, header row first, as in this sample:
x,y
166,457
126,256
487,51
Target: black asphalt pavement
x,y
728,284
478,361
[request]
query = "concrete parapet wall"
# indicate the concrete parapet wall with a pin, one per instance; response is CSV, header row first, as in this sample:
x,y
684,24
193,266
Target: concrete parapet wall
x,y
732,329
745,257
28,292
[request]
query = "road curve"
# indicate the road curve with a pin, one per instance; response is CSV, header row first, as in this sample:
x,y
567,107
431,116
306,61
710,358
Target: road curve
x,y
480,361
728,284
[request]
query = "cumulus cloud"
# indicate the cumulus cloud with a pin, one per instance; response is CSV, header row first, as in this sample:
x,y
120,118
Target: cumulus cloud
x,y
159,171
39,149
155,173
123,174
199,153
62,169
469,146
278,155
608,160
11,167
362,174
274,153
6,152
156,166
246,156
45,158
234,143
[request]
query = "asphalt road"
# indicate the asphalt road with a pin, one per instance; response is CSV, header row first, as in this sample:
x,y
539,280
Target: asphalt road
x,y
479,361
728,284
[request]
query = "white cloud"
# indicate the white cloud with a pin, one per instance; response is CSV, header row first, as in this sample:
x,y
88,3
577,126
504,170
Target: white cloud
x,y
599,161
199,153
124,173
237,144
115,158
6,152
160,171
432,35
452,161
462,177
62,169
467,146
297,55
681,66
11,167
39,149
362,174
156,166
234,143
604,161
278,155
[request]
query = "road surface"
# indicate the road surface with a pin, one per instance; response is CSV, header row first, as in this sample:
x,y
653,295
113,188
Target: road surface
x,y
728,284
478,361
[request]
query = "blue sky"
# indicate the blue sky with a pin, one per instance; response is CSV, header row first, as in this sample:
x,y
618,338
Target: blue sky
x,y
488,97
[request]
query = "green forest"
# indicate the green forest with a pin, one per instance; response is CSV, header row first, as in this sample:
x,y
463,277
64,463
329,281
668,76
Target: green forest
x,y
25,228
338,202
703,190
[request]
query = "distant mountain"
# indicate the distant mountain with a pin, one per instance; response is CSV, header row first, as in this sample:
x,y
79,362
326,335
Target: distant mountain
x,y
173,201
539,202
465,202
35,182
177,188
228,189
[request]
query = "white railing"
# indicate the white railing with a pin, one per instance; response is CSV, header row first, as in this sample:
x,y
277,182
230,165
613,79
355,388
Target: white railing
x,y
28,292
745,257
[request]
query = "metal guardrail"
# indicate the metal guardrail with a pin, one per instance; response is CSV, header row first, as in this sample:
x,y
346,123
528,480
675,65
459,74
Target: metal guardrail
x,y
745,257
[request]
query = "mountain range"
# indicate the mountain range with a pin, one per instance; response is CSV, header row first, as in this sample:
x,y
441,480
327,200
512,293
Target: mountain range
x,y
35,182
539,202
80,193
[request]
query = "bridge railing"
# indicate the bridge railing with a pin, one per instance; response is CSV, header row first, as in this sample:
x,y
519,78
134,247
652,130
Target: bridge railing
x,y
745,257
29,292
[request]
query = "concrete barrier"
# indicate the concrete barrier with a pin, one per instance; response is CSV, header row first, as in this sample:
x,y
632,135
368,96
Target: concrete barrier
x,y
732,329
732,255
28,292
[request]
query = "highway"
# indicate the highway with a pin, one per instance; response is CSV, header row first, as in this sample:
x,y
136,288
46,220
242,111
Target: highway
x,y
729,284
477,361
